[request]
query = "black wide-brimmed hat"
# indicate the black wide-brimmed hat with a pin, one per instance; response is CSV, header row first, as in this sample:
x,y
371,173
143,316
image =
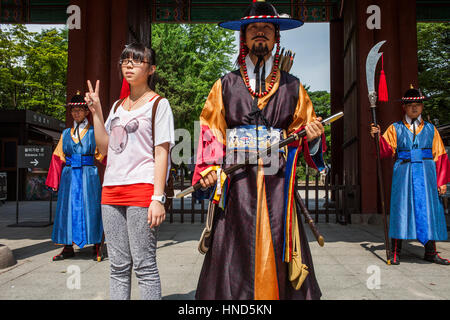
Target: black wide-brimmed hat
x,y
413,95
77,101
261,11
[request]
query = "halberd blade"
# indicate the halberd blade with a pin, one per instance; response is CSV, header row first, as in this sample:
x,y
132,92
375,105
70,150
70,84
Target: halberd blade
x,y
371,65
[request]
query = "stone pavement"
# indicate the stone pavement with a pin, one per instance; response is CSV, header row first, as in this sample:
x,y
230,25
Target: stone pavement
x,y
350,266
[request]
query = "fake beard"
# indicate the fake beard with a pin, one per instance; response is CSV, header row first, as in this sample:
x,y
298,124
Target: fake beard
x,y
260,50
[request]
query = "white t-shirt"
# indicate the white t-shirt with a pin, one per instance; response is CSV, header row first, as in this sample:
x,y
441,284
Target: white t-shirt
x,y
130,149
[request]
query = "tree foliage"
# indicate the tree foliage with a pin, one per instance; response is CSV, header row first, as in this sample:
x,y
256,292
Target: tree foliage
x,y
190,58
33,70
434,69
322,107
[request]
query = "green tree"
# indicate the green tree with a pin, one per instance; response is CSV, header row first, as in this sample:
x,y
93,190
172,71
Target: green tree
x,y
14,43
433,40
190,59
322,107
33,70
47,67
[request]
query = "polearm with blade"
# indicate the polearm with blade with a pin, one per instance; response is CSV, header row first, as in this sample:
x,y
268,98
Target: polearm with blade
x,y
254,158
371,65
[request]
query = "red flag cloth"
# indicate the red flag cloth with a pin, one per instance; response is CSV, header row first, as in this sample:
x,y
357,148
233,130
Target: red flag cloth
x,y
382,86
125,91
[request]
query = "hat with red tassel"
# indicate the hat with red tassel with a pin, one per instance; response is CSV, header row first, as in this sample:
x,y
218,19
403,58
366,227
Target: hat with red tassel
x,y
382,86
78,101
413,95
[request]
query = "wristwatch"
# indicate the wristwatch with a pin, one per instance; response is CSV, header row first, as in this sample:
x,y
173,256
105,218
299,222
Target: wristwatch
x,y
161,198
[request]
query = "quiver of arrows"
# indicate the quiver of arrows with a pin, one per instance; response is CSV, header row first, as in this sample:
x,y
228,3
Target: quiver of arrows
x,y
286,60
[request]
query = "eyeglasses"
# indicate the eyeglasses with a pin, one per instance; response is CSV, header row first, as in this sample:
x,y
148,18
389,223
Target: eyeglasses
x,y
134,62
77,110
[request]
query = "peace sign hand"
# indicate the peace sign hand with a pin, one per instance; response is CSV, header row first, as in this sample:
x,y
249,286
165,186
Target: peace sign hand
x,y
92,98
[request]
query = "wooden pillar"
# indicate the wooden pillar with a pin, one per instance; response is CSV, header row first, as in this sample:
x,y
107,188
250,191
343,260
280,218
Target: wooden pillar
x,y
351,135
337,96
139,22
398,28
119,34
76,58
94,50
98,48
407,29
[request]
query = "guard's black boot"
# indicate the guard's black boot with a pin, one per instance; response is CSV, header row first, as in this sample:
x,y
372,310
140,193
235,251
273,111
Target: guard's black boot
x,y
432,255
67,252
396,249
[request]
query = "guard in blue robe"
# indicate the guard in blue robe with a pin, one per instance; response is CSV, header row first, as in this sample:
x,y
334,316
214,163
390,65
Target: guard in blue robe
x,y
78,212
421,172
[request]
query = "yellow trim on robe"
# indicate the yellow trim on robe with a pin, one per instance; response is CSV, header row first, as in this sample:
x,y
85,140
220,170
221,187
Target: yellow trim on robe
x,y
390,135
290,219
208,170
223,177
213,113
59,150
304,112
82,133
438,148
297,270
418,129
266,281
262,102
97,155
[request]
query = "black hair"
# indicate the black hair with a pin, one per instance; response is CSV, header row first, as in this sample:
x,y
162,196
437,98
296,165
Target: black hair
x,y
138,51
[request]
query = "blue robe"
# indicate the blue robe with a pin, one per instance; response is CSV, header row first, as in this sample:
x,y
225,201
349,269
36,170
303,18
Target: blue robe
x,y
416,211
78,211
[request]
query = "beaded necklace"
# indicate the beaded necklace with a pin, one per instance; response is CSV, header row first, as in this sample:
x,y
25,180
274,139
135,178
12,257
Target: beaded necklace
x,y
131,105
274,74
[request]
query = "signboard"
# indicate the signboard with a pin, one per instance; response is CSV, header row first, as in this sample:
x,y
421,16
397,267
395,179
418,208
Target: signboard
x,y
44,121
34,156
37,156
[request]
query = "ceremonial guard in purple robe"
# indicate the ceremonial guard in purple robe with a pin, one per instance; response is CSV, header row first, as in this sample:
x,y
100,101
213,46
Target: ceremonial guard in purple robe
x,y
257,248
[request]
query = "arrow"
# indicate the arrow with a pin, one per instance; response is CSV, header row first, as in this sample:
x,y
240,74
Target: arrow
x,y
35,162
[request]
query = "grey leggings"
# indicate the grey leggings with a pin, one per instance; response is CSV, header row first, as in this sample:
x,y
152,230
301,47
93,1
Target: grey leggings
x,y
131,242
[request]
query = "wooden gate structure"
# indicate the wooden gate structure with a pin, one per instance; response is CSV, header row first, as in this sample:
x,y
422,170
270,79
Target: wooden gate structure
x,y
106,26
